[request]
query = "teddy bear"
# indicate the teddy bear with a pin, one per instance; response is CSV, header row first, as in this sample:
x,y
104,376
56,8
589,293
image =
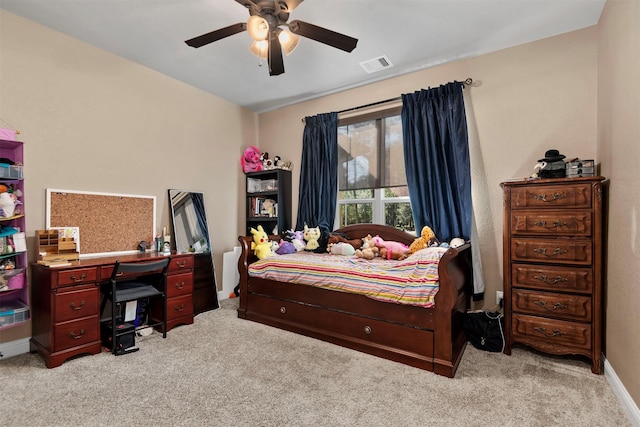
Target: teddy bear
x,y
285,248
261,246
250,160
390,249
267,163
311,236
342,248
427,238
295,237
368,250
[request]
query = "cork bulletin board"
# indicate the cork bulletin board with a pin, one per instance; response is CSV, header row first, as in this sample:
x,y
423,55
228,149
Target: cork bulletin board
x,y
108,223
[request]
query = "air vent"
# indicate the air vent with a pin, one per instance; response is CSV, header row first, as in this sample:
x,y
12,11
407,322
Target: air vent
x,y
376,64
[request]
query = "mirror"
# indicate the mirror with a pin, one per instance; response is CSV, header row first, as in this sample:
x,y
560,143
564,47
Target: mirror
x,y
191,234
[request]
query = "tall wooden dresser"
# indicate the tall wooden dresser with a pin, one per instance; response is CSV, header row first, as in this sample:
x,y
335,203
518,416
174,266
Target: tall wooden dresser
x,y
553,265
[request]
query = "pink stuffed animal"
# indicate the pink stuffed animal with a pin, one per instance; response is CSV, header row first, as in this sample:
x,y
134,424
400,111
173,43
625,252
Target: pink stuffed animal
x,y
389,249
250,160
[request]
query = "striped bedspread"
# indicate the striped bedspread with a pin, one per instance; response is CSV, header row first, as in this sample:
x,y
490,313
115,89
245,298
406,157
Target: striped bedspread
x,y
411,281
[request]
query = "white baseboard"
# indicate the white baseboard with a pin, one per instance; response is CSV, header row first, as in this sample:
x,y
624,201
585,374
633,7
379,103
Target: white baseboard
x,y
222,295
628,405
14,348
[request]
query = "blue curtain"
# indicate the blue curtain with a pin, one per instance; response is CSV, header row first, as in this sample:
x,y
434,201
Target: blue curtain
x,y
436,158
319,173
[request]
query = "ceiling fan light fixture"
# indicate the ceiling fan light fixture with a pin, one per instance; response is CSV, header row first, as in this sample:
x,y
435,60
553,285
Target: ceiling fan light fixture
x,y
288,41
258,28
260,48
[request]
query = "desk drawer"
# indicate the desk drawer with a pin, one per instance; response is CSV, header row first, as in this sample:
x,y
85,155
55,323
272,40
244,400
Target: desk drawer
x,y
179,307
181,263
78,275
75,333
74,302
179,284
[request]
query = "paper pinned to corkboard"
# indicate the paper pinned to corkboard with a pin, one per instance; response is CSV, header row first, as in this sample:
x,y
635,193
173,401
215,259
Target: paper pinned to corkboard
x,y
108,223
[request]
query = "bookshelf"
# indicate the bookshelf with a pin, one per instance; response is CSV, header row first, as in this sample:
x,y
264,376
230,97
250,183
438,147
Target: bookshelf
x,y
268,200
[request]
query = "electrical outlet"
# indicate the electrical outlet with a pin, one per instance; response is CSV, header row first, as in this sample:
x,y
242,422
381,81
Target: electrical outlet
x,y
499,297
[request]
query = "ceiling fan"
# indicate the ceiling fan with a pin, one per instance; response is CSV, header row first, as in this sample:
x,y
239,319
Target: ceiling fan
x,y
269,40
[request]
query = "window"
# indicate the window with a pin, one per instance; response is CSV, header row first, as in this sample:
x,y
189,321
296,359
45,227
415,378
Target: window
x,y
372,184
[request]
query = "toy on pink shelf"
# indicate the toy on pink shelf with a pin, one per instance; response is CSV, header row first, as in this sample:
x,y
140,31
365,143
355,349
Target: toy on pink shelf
x,y
250,160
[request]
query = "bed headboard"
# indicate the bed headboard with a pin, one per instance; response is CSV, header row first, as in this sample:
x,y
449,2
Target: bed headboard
x,y
358,231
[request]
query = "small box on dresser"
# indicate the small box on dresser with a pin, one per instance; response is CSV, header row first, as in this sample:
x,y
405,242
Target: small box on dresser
x,y
553,265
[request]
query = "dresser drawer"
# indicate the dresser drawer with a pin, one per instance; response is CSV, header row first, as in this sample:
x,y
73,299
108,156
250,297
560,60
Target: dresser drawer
x,y
345,325
558,332
179,307
563,306
558,251
75,333
179,284
551,223
552,278
576,196
74,302
78,275
181,263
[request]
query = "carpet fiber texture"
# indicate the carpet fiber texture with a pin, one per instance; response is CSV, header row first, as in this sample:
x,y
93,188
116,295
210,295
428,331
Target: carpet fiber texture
x,y
225,371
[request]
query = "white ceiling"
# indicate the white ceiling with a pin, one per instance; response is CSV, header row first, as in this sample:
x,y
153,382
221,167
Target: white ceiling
x,y
413,34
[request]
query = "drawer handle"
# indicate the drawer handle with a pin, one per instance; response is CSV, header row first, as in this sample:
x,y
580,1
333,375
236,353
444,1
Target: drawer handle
x,y
543,197
554,224
556,306
545,279
367,329
77,337
73,277
76,308
179,307
283,310
554,333
179,285
556,252
182,264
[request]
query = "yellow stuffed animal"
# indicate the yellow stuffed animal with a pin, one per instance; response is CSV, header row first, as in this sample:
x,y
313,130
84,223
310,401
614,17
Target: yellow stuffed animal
x,y
261,246
427,237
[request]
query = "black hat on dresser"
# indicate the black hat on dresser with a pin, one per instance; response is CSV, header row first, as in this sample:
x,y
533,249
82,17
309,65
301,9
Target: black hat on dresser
x,y
552,155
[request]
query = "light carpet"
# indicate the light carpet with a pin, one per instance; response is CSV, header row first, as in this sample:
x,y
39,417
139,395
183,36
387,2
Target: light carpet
x,y
225,371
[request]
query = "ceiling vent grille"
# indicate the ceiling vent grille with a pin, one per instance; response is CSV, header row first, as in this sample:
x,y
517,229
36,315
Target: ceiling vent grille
x,y
376,64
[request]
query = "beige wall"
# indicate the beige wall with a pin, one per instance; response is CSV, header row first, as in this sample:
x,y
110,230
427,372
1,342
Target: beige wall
x,y
524,101
619,151
93,121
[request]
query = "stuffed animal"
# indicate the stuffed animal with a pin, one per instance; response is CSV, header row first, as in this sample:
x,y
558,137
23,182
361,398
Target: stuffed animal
x,y
295,237
286,248
368,250
427,238
279,163
335,238
311,236
342,248
390,249
267,163
260,246
250,160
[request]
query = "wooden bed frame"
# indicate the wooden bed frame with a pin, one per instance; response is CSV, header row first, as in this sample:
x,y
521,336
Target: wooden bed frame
x,y
427,338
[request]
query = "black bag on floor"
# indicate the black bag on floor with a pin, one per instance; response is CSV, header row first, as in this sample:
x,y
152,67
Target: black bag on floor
x,y
485,330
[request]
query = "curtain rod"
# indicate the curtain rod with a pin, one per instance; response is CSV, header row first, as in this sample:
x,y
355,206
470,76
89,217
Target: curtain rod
x,y
467,82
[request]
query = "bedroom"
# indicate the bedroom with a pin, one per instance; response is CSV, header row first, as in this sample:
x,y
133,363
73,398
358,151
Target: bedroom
x,y
92,113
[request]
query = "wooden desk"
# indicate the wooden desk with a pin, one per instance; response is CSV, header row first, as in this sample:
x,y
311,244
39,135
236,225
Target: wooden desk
x,y
66,303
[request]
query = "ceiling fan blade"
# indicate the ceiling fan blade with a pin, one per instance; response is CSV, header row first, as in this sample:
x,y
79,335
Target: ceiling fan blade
x,y
274,56
217,35
323,35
